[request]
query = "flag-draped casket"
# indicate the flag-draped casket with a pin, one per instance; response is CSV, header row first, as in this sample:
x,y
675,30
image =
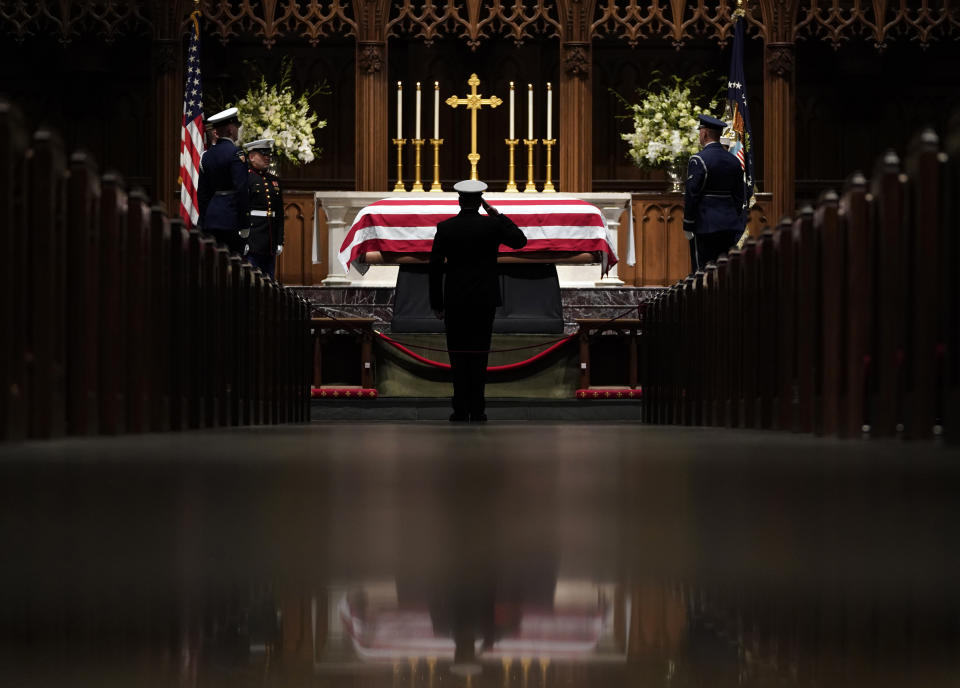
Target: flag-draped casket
x,y
560,229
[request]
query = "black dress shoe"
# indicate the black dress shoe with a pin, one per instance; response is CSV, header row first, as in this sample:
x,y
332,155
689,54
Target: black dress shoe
x,y
458,418
478,417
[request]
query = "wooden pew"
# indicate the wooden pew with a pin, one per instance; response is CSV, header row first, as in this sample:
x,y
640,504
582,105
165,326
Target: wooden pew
x,y
784,244
768,343
83,296
14,142
807,331
888,189
950,305
829,238
924,169
751,335
158,340
137,279
857,305
112,311
46,287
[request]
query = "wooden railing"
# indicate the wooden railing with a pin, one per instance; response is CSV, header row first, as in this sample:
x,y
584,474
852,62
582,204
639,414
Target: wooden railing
x,y
842,321
116,319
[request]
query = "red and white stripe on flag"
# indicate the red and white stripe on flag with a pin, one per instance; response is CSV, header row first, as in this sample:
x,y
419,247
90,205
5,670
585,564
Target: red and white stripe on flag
x,y
191,134
738,151
560,224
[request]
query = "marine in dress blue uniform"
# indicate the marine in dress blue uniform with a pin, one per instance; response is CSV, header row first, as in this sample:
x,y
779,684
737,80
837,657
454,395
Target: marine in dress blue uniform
x,y
465,250
713,198
266,208
222,189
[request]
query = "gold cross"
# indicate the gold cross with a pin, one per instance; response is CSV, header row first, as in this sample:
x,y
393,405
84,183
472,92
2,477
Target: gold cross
x,y
474,102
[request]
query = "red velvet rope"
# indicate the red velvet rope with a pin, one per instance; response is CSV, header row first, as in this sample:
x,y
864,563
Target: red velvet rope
x,y
490,369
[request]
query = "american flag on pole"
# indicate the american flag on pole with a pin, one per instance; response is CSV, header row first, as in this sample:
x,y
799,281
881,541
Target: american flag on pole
x,y
737,96
191,136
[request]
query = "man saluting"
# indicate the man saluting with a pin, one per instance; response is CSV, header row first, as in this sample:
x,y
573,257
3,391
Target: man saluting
x,y
222,187
465,249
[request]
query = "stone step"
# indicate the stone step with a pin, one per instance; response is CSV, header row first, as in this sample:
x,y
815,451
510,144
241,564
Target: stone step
x,y
498,409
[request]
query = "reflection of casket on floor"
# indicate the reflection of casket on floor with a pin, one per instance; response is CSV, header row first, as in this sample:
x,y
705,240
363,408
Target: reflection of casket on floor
x,y
559,230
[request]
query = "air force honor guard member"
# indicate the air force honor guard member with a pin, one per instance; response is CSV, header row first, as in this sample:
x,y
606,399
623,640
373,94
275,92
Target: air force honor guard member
x,y
266,208
222,193
465,249
713,199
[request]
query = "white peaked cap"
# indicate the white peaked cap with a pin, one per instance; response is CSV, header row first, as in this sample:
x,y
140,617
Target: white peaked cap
x,y
259,144
223,116
470,186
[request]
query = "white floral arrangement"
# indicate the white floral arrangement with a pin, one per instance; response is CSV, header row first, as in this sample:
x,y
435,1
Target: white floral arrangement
x,y
665,122
273,111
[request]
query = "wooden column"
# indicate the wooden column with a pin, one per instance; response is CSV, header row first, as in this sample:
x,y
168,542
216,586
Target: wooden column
x,y
371,95
779,107
168,113
371,120
575,95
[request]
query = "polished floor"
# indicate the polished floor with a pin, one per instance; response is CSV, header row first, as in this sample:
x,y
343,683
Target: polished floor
x,y
514,554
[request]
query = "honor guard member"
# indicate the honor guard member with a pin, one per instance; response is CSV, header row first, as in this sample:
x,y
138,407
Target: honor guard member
x,y
222,187
713,214
465,249
266,208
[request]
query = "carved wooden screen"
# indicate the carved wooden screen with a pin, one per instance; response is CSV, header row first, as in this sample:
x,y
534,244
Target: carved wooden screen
x,y
474,20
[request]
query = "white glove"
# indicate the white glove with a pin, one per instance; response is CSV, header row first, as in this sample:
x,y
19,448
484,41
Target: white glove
x,y
244,233
279,249
246,249
687,234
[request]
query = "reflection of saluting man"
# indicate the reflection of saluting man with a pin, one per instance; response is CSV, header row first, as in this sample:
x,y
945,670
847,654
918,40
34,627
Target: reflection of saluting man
x,y
465,248
713,197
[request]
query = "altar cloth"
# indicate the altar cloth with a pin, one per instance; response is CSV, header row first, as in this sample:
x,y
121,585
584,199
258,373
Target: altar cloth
x,y
560,225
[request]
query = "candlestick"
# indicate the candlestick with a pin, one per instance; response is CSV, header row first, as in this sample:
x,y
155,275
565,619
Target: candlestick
x,y
436,109
529,111
511,109
399,110
549,110
435,187
548,185
511,144
417,127
531,186
399,185
417,186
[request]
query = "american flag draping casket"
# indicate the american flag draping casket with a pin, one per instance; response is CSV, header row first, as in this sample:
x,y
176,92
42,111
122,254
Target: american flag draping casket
x,y
558,227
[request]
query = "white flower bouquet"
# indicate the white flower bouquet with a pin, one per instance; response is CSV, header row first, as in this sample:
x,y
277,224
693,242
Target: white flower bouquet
x,y
665,122
273,111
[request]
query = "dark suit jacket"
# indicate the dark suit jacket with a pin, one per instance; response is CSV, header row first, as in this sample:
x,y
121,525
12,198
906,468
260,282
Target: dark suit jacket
x,y
465,248
222,189
714,194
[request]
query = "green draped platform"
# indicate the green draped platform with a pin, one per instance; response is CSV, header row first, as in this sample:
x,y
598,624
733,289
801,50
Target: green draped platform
x,y
552,377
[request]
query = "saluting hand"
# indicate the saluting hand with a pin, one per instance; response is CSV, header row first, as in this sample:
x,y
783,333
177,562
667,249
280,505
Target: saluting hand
x,y
489,208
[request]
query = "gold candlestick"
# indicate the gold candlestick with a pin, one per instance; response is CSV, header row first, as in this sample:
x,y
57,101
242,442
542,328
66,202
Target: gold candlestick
x,y
512,184
531,187
399,185
417,186
435,187
548,185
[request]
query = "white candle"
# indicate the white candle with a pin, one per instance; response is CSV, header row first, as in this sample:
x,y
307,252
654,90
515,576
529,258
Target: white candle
x,y
511,111
549,111
399,110
436,109
418,111
530,112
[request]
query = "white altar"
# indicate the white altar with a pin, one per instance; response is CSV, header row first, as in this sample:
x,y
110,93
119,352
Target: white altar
x,y
341,208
